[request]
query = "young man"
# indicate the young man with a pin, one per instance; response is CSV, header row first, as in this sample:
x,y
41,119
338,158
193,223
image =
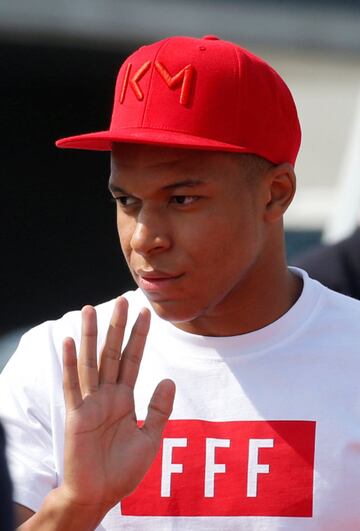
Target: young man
x,y
265,430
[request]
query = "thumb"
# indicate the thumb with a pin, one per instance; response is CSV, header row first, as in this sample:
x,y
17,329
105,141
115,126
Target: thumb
x,y
159,410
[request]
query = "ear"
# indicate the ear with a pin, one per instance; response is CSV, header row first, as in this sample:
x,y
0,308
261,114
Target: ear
x,y
280,190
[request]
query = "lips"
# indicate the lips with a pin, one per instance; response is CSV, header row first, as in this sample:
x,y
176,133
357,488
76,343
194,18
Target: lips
x,y
156,281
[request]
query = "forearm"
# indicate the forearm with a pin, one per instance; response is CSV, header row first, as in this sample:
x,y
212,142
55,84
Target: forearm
x,y
59,514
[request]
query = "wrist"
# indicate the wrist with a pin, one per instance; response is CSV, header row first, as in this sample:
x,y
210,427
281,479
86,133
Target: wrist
x,y
79,517
60,512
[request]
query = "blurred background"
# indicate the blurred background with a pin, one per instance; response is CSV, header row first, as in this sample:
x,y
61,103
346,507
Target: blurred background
x,y
58,64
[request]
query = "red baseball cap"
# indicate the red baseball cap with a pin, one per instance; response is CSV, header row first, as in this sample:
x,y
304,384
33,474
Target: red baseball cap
x,y
202,94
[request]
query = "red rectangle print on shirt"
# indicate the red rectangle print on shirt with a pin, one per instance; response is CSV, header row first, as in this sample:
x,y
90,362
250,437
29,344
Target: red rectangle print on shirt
x,y
240,468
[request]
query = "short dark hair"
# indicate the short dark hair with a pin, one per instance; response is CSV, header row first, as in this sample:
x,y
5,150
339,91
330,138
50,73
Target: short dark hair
x,y
253,166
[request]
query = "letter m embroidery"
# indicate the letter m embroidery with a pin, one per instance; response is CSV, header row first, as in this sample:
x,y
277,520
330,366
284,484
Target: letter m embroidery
x,y
183,77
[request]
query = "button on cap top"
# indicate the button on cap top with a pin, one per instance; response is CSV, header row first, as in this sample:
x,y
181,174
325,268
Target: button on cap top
x,y
211,38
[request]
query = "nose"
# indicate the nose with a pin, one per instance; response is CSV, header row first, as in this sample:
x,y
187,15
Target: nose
x,y
150,234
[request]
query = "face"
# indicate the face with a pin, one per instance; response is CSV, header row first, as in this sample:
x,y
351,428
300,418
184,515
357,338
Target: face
x,y
191,229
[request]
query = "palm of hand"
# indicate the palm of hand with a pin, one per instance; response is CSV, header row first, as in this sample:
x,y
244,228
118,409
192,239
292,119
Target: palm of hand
x,y
106,453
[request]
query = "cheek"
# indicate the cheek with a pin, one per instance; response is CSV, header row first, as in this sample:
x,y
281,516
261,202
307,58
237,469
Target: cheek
x,y
224,236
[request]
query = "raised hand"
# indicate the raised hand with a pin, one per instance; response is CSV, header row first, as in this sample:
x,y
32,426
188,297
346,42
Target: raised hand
x,y
106,453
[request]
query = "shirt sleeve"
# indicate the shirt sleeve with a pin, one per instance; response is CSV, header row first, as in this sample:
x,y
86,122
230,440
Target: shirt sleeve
x,y
25,413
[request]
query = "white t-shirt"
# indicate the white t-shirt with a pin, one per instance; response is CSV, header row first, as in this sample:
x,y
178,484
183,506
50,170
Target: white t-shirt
x,y
265,431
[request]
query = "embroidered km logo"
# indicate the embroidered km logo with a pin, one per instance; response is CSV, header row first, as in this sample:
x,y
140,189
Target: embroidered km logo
x,y
184,78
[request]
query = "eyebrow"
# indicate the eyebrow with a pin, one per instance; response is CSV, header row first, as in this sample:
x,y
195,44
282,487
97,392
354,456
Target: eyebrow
x,y
178,184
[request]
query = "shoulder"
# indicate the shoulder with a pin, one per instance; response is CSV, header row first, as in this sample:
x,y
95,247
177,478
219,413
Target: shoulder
x,y
327,304
338,316
42,344
339,303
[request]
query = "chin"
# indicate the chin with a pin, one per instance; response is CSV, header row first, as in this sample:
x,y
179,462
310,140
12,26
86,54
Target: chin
x,y
175,311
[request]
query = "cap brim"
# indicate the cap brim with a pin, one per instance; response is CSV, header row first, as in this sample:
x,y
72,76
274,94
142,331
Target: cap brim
x,y
104,140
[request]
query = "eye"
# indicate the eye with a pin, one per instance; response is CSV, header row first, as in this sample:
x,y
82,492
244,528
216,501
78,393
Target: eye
x,y
125,200
184,200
